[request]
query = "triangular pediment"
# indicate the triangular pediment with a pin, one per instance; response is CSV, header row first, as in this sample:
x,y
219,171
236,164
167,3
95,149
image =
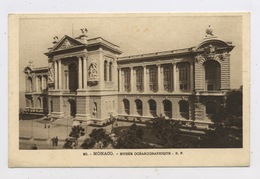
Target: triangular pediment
x,y
66,43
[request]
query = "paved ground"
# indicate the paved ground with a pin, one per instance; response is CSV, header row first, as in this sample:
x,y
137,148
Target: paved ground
x,y
36,131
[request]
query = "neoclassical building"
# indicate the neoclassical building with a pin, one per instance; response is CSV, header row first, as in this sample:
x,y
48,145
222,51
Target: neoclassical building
x,y
88,80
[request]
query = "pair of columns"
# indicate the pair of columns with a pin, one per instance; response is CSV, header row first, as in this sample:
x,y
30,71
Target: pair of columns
x,y
40,82
82,74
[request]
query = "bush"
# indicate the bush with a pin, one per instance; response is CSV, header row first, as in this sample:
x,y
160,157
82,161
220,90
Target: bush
x,y
88,143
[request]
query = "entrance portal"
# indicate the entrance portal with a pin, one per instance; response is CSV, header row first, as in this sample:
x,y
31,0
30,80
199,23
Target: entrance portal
x,y
72,107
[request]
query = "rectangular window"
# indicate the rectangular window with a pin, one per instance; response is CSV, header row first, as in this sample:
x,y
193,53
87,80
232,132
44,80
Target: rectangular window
x,y
153,79
167,78
139,79
183,87
127,80
210,87
184,77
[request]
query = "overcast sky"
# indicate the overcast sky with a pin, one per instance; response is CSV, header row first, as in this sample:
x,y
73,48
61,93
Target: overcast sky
x,y
134,35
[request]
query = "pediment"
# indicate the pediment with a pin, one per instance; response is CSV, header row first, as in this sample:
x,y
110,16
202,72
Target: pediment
x,y
211,45
66,43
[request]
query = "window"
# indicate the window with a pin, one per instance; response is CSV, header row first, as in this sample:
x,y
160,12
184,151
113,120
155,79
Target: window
x,y
139,79
167,78
29,84
139,107
127,80
152,107
153,79
39,84
211,108
184,109
212,75
39,103
167,107
126,106
110,71
184,76
105,71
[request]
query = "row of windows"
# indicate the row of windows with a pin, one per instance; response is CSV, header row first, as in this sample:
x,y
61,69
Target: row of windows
x,y
41,84
167,108
108,68
40,103
153,78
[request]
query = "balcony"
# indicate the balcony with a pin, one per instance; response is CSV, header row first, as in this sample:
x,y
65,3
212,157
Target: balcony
x,y
211,93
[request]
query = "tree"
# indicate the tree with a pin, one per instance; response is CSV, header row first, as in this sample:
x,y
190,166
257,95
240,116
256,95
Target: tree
x,y
75,134
88,143
96,136
228,123
131,139
234,102
167,131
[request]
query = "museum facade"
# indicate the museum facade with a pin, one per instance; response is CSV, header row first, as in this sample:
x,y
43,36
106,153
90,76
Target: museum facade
x,y
89,80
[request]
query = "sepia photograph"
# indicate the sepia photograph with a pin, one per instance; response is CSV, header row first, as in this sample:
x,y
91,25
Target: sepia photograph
x,y
154,84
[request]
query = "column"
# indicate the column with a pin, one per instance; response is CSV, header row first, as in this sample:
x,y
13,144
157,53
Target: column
x,y
43,86
145,80
80,73
191,77
67,80
60,80
159,80
84,72
119,80
131,79
36,84
56,75
107,70
175,85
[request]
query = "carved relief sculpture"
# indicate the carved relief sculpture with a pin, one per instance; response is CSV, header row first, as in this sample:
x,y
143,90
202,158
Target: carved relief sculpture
x,y
51,75
93,72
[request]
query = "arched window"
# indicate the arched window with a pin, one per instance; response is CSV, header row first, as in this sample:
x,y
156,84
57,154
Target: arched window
x,y
39,103
184,76
139,107
94,109
40,83
105,71
184,109
127,79
211,108
110,71
167,107
167,78
29,84
139,79
126,106
212,75
153,79
73,77
152,107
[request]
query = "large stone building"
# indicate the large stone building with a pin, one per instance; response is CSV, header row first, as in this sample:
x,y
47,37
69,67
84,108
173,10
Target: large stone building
x,y
88,80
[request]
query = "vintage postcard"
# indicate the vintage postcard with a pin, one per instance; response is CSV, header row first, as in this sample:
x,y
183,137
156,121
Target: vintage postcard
x,y
129,90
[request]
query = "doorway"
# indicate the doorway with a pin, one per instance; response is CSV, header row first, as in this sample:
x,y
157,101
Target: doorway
x,y
73,108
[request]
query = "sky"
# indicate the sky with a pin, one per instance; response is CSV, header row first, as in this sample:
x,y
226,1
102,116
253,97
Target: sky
x,y
134,34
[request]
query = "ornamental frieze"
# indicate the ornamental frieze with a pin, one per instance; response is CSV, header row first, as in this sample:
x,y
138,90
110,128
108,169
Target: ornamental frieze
x,y
210,53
